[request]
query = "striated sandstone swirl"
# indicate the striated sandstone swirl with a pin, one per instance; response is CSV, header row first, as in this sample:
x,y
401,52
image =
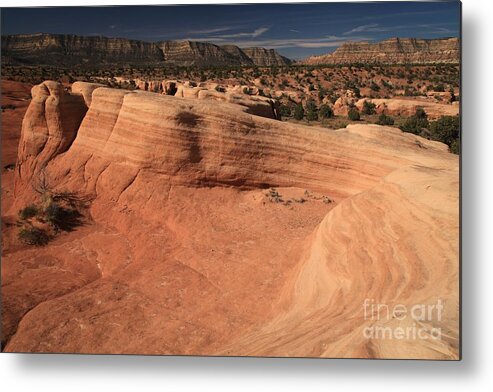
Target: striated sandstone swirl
x,y
204,266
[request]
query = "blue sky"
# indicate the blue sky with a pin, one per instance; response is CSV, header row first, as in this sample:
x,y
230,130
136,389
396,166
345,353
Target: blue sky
x,y
295,30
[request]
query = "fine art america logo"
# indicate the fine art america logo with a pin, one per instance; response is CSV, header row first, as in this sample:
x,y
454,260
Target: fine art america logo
x,y
420,317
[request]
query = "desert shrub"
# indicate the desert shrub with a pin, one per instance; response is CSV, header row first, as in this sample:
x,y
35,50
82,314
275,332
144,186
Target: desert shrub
x,y
409,92
446,130
299,112
386,84
285,111
28,212
416,123
9,106
420,113
374,86
60,217
33,236
53,214
455,147
353,114
439,88
383,119
325,111
311,111
369,108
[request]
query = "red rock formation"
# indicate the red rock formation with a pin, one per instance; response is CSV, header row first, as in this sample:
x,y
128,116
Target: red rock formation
x,y
407,107
49,126
186,256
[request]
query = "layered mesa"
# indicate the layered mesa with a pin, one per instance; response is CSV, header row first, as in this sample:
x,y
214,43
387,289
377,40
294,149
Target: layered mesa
x,y
215,231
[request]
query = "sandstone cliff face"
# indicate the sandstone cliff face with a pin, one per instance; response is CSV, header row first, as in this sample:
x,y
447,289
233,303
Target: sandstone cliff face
x,y
198,53
200,265
265,57
66,50
58,49
393,51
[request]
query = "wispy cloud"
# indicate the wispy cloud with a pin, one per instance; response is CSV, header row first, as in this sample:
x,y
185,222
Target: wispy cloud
x,y
203,39
372,27
211,30
258,32
436,29
254,34
294,31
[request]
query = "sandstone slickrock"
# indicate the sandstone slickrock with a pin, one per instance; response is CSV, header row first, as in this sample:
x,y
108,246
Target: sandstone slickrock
x,y
70,50
393,51
204,265
49,126
255,104
395,106
407,107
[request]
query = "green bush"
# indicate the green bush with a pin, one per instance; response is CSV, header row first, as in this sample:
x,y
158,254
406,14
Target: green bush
x,y
311,111
33,236
325,111
53,213
455,147
439,88
420,113
369,108
299,112
416,123
446,130
353,114
374,86
28,212
383,119
285,111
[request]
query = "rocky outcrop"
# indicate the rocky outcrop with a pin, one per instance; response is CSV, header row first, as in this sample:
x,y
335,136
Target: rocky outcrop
x,y
72,50
344,102
399,106
407,107
200,264
49,126
393,51
255,104
265,57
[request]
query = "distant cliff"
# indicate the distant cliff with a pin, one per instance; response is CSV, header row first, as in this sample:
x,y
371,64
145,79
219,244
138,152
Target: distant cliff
x,y
393,51
265,57
70,50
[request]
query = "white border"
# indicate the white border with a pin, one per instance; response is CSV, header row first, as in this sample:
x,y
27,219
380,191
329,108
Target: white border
x,y
113,373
